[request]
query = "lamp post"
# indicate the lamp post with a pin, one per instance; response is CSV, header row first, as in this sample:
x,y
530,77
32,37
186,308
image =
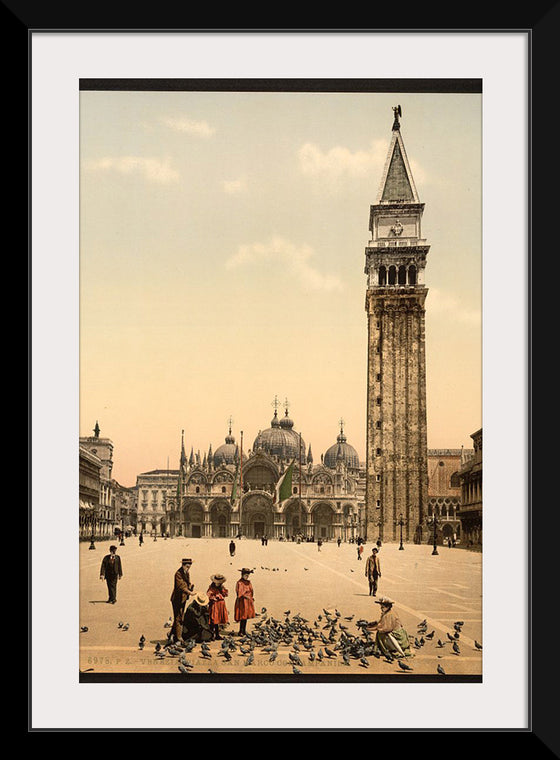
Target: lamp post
x,y
122,532
92,518
435,523
401,523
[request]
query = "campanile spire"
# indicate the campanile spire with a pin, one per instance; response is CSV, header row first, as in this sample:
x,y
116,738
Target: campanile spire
x,y
396,448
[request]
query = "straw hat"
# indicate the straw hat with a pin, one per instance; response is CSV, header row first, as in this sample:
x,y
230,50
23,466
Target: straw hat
x,y
218,578
201,599
384,600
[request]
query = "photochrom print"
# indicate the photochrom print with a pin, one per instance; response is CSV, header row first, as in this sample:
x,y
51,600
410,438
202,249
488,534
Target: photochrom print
x,y
280,453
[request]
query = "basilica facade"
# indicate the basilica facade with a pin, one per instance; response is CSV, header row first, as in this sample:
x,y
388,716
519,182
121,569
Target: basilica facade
x,y
232,493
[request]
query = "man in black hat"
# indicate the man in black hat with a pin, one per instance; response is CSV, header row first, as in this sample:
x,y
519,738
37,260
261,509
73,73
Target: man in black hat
x,y
182,590
111,571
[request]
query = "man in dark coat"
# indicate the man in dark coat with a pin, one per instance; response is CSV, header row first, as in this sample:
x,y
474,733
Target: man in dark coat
x,y
182,590
111,571
373,571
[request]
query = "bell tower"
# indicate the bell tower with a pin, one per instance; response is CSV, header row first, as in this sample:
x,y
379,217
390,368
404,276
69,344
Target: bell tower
x,y
396,440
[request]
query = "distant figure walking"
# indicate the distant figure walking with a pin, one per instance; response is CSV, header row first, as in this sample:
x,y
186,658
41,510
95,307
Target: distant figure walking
x,y
338,541
232,548
319,544
360,550
111,572
140,539
245,601
218,615
373,571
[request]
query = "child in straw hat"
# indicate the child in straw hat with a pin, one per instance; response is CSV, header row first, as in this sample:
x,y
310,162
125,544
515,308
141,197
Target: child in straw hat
x,y
217,593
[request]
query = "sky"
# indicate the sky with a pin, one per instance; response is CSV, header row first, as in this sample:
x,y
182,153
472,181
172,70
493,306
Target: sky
x,y
222,253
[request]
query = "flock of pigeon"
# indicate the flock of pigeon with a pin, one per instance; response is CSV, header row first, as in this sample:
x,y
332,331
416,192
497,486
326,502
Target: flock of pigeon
x,y
300,643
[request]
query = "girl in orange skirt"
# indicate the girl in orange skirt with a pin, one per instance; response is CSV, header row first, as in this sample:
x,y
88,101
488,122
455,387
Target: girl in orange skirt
x,y
245,603
217,593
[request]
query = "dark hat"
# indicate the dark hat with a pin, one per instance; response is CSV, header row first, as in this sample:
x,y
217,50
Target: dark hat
x,y
186,561
218,577
245,570
374,548
112,547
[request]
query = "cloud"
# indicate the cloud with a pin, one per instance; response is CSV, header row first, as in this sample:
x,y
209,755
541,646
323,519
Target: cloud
x,y
188,126
339,161
447,305
283,253
153,169
234,186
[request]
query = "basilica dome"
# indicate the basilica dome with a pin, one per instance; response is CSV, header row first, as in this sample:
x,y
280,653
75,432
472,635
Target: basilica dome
x,y
227,453
345,451
280,439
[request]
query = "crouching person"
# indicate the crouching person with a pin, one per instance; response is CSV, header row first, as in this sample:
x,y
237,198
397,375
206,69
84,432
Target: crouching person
x,y
196,620
391,638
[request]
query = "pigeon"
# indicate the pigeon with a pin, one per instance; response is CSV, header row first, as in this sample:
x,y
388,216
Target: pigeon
x,y
456,648
350,617
211,671
450,637
330,653
84,629
157,647
441,643
250,659
364,663
440,670
120,625
320,655
296,671
263,610
430,635
459,623
311,656
125,627
294,658
273,656
477,645
403,665
183,669
287,613
306,568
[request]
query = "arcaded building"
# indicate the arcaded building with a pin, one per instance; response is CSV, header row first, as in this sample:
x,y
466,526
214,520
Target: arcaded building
x,y
470,513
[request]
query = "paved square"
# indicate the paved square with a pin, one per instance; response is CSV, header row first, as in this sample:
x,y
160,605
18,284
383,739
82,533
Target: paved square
x,y
288,577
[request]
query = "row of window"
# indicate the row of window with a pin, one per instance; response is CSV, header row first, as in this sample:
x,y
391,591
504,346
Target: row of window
x,y
397,276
